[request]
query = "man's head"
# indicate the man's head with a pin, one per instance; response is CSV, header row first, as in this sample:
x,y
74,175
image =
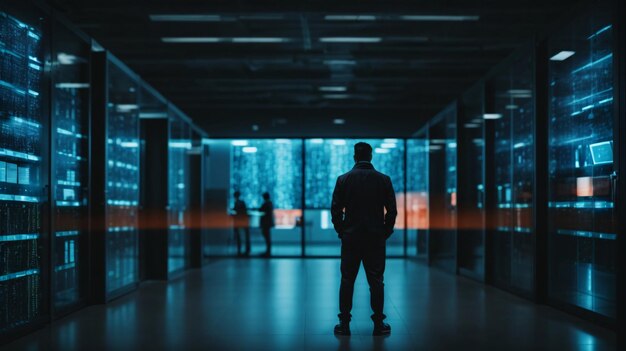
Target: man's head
x,y
362,152
237,194
266,196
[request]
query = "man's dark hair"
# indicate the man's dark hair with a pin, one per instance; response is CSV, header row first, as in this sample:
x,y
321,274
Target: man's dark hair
x,y
237,194
266,195
362,152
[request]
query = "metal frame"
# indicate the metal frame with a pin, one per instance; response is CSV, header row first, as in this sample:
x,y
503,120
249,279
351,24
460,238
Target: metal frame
x,y
619,125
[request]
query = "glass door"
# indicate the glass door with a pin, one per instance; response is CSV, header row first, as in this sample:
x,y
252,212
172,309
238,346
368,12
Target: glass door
x,y
471,199
512,243
122,181
582,229
70,163
442,190
417,206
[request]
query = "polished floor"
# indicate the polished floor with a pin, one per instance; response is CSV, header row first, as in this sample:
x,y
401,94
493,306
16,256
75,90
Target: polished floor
x,y
291,304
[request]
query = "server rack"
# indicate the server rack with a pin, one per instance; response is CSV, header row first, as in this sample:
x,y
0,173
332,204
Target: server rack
x,y
196,209
472,142
24,196
166,145
115,178
417,192
179,147
582,226
69,156
154,119
511,231
442,189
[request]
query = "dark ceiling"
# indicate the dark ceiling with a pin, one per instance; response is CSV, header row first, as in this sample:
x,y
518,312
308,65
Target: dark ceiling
x,y
383,67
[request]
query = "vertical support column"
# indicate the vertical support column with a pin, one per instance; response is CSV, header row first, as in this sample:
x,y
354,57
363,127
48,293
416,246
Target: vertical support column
x,y
302,220
154,214
620,167
540,194
489,182
97,241
195,204
406,211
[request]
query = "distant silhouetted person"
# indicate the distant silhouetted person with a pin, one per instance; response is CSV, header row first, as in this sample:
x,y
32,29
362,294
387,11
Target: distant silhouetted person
x,y
359,202
241,221
267,222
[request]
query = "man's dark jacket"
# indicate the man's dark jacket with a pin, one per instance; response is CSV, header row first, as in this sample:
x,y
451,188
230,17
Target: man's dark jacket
x,y
360,199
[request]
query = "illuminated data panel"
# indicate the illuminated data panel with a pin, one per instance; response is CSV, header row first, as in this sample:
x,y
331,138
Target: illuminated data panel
x,y
70,112
178,197
273,166
582,229
122,180
512,244
21,133
327,159
417,194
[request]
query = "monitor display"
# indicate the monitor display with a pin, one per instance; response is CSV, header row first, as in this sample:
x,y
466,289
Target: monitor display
x,y
273,166
602,153
327,159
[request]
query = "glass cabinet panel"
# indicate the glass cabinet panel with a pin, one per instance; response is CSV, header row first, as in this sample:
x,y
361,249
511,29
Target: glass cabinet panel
x,y
582,228
122,180
178,193
417,195
442,183
70,118
512,240
471,199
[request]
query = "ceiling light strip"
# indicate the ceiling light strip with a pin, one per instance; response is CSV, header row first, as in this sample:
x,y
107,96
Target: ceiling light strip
x,y
351,40
236,40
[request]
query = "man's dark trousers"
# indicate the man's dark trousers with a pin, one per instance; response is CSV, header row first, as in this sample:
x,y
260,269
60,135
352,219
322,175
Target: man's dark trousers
x,y
371,252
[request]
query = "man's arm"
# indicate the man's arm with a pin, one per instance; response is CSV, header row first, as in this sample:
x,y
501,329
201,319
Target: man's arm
x,y
337,206
390,206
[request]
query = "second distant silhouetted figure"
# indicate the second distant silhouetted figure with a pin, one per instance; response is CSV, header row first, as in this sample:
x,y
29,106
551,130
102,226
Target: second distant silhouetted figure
x,y
360,200
267,222
241,220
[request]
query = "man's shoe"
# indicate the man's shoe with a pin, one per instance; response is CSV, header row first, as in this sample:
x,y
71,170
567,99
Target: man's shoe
x,y
343,328
381,329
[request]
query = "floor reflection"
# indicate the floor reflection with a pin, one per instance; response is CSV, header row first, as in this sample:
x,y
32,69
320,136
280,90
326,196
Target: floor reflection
x,y
292,304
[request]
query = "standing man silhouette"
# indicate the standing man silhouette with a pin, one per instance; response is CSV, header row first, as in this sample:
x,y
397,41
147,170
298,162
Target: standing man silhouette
x,y
358,207
267,222
241,221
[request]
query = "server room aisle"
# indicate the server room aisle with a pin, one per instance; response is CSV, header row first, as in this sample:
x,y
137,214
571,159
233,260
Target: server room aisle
x,y
291,304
